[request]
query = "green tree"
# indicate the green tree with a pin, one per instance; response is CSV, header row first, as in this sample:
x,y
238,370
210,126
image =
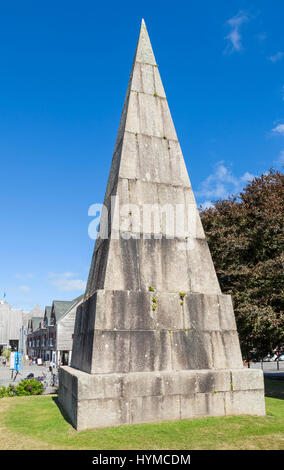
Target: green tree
x,y
245,236
6,353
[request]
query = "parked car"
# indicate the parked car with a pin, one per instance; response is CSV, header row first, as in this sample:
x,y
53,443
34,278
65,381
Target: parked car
x,y
267,358
280,358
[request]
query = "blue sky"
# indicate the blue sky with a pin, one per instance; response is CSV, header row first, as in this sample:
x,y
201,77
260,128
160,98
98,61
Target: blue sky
x,y
64,69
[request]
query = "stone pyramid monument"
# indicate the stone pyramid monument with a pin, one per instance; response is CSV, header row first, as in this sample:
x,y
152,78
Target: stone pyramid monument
x,y
154,339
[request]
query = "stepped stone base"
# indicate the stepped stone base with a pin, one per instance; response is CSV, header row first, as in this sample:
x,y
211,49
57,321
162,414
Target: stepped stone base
x,y
100,400
120,332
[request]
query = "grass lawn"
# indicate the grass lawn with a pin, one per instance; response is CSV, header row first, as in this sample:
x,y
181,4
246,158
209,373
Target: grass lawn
x,y
37,423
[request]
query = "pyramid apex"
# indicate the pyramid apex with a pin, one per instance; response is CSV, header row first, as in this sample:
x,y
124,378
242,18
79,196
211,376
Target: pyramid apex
x,y
144,51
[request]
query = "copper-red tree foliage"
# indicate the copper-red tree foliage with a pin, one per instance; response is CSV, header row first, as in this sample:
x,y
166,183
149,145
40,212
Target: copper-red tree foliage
x,y
245,235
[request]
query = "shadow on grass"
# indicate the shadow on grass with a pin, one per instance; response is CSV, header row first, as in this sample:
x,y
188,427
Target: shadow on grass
x,y
62,411
274,387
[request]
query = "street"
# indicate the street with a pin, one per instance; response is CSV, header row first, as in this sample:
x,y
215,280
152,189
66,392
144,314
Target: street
x,y
5,376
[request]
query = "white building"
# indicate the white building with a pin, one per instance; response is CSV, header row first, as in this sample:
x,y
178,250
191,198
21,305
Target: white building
x,y
13,324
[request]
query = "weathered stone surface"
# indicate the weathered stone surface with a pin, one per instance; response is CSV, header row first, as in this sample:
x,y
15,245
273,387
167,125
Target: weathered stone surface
x,y
187,406
169,313
155,339
111,351
102,412
82,352
148,168
189,350
226,313
98,400
95,386
232,349
149,409
142,330
210,404
213,381
144,51
182,382
125,310
244,379
136,264
245,402
202,312
142,384
219,358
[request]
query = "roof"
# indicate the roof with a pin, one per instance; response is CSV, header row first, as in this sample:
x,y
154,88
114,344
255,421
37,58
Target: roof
x,y
61,307
48,311
73,304
78,299
34,313
36,321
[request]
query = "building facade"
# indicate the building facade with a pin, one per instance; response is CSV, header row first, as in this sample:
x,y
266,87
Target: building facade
x,y
35,334
14,326
51,337
11,321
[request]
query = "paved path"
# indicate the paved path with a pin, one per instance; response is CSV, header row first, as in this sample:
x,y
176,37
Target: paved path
x,y
269,367
5,376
